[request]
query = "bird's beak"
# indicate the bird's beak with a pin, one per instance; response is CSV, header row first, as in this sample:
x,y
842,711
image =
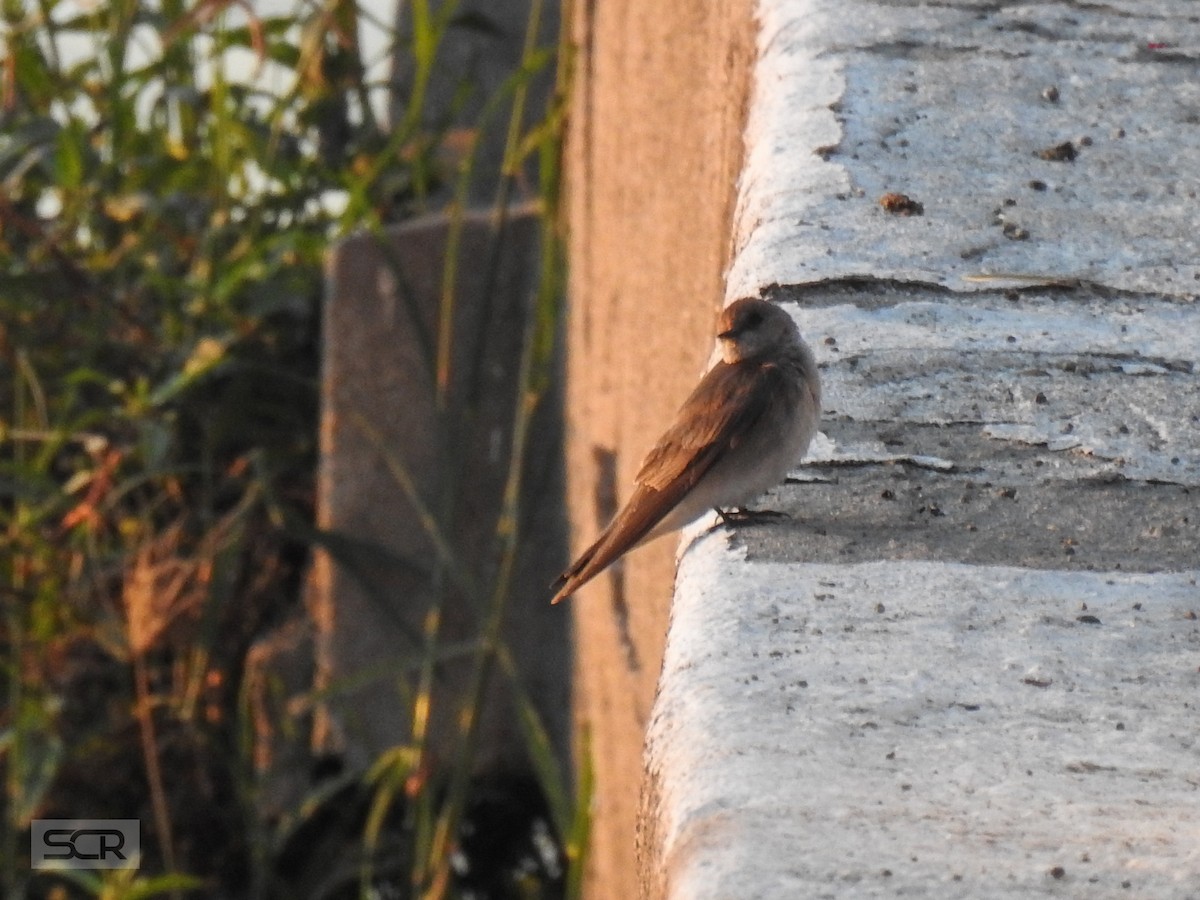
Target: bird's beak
x,y
729,335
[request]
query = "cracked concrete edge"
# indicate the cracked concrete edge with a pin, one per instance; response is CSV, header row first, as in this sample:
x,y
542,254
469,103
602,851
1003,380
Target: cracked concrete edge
x,y
839,730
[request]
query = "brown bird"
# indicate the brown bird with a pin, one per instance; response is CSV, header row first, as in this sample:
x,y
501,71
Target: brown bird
x,y
744,426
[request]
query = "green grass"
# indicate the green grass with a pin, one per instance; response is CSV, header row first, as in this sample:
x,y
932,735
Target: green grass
x,y
164,220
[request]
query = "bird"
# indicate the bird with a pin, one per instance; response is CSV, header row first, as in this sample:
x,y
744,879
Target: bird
x,y
747,422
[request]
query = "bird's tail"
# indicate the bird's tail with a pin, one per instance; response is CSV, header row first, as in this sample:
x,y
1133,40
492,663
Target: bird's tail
x,y
580,572
635,523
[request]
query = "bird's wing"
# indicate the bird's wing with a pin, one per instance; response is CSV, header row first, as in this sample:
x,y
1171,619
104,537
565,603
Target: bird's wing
x,y
725,405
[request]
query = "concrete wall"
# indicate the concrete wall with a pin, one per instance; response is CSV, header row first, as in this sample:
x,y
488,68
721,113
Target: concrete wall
x,y
654,149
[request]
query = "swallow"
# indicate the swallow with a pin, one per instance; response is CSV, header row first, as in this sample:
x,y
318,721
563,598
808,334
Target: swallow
x,y
748,421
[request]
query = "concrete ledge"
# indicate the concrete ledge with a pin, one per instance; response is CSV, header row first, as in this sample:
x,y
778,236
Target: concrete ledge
x,y
948,103
927,729
968,666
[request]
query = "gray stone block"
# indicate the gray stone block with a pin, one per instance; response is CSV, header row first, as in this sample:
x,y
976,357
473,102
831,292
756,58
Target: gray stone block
x,y
376,581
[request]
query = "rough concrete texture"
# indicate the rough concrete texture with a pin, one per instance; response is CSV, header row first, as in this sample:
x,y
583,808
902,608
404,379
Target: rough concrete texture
x,y
373,583
925,729
967,666
1048,429
950,105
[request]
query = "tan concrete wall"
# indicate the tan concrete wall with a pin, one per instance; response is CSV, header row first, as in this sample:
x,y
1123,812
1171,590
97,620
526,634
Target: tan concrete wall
x,y
654,149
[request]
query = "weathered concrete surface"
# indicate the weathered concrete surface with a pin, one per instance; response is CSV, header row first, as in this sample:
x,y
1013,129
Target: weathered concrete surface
x,y
947,103
968,666
654,148
925,729
1053,429
372,584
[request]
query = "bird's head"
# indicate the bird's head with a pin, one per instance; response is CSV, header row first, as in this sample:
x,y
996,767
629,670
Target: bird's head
x,y
751,328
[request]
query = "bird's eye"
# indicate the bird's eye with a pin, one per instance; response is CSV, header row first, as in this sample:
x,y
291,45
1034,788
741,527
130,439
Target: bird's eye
x,y
754,320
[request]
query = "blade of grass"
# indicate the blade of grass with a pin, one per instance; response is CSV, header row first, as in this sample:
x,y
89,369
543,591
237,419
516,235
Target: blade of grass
x,y
460,420
538,745
126,884
512,86
390,774
158,794
577,838
507,532
537,322
429,524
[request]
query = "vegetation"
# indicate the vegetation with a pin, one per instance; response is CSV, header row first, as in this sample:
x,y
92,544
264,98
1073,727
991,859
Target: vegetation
x,y
171,175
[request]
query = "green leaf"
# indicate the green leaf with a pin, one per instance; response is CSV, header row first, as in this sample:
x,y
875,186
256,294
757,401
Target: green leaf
x,y
208,355
68,156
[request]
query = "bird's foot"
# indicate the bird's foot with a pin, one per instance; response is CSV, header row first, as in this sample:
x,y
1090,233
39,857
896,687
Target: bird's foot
x,y
739,515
